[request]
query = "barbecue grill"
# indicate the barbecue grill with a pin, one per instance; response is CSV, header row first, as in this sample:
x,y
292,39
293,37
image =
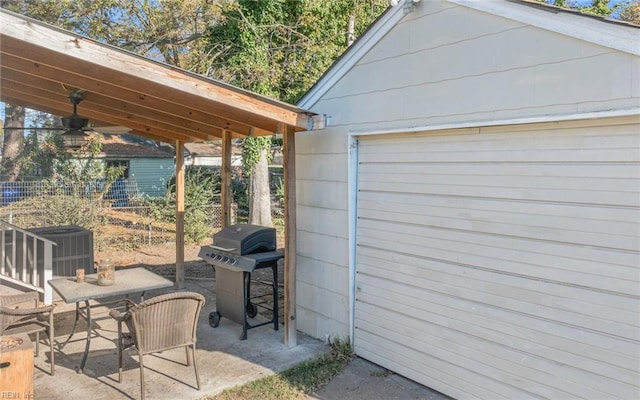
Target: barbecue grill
x,y
238,250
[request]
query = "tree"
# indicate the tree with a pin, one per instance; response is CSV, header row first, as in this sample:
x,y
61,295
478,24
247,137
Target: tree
x,y
606,8
13,141
279,49
169,31
631,14
14,114
255,156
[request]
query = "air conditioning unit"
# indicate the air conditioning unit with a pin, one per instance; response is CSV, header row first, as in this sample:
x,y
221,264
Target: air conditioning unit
x,y
74,248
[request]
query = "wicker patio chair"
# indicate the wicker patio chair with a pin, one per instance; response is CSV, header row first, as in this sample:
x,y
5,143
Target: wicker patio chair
x,y
23,314
161,323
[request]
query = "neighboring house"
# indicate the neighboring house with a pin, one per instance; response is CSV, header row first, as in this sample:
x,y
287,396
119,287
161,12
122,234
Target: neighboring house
x,y
470,217
209,155
147,165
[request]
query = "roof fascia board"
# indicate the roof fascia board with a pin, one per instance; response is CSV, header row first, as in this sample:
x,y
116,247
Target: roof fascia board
x,y
615,36
352,55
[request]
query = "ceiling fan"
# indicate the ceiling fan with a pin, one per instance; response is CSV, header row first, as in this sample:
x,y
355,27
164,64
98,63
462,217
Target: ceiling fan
x,y
76,133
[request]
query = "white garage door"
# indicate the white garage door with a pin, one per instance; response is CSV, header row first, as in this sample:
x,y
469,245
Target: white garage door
x,y
502,263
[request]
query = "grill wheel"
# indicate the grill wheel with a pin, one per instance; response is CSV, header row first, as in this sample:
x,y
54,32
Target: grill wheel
x,y
252,310
214,319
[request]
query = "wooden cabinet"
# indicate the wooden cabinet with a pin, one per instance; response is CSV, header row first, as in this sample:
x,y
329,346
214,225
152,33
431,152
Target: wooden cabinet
x,y
16,367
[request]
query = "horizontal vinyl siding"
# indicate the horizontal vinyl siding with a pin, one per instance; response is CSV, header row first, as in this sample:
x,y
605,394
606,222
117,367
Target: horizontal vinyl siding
x,y
151,175
322,235
450,64
502,264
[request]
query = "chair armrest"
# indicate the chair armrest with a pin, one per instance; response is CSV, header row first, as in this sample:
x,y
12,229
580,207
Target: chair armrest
x,y
126,303
118,315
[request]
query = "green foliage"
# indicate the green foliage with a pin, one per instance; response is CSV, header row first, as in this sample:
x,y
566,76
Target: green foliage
x,y
598,7
631,14
280,48
252,147
202,187
60,210
240,189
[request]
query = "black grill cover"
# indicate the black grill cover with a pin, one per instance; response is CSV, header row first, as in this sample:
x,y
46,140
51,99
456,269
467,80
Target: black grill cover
x,y
245,239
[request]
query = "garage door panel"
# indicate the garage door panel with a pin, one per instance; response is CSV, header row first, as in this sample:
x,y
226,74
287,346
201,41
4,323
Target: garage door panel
x,y
511,180
592,351
396,201
514,251
620,308
433,374
459,290
578,197
585,232
527,262
568,256
550,155
599,172
531,297
442,370
462,348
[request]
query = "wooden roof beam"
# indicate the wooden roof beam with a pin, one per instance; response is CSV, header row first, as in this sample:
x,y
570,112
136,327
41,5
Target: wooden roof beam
x,y
107,106
102,114
15,65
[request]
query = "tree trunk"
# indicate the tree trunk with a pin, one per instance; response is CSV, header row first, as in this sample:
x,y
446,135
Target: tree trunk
x,y
351,30
259,194
13,140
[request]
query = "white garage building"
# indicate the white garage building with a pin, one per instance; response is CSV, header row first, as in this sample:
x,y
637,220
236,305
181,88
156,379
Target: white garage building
x,y
471,216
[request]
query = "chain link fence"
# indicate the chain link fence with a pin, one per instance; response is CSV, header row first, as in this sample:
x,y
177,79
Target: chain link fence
x,y
118,215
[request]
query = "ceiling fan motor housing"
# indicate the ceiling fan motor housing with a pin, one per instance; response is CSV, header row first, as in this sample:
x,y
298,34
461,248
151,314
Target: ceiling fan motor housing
x,y
74,122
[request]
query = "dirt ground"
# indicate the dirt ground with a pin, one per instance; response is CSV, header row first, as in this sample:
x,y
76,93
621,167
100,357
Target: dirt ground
x,y
161,260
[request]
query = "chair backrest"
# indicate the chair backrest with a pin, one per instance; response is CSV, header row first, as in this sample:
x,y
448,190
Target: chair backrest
x,y
166,321
10,304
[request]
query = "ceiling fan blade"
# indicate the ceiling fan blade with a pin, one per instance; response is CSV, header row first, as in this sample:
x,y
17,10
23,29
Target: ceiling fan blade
x,y
33,128
113,130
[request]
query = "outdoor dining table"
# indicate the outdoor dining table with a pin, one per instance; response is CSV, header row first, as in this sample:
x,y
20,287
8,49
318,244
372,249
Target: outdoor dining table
x,y
127,282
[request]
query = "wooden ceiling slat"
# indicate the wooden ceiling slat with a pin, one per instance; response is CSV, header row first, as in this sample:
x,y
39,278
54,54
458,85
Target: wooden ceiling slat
x,y
32,71
98,113
105,105
166,137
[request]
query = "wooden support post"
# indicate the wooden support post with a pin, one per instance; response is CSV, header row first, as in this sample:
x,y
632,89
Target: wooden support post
x,y
225,180
289,164
179,214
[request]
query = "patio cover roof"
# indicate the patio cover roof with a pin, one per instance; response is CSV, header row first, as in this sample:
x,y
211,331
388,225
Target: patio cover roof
x,y
41,64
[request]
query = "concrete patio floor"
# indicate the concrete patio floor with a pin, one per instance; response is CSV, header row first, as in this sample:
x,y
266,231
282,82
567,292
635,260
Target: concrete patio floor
x,y
224,361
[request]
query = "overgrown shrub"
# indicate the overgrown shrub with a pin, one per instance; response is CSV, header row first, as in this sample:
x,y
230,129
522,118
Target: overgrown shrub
x,y
202,187
60,210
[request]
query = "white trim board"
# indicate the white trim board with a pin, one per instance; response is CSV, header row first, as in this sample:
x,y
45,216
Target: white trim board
x,y
615,36
633,112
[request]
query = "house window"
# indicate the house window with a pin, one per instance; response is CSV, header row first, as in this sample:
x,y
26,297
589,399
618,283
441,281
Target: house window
x,y
119,163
